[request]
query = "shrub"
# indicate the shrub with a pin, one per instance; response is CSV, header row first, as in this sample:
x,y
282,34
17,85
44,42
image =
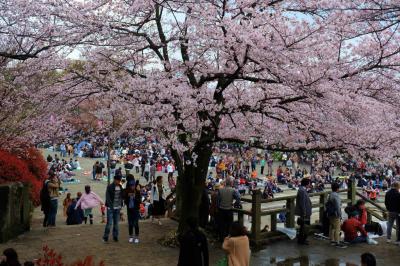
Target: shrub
x,y
52,258
27,167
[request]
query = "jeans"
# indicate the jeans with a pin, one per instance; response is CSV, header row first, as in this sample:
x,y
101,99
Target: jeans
x,y
225,219
112,218
53,212
392,217
46,218
359,239
262,170
303,232
133,221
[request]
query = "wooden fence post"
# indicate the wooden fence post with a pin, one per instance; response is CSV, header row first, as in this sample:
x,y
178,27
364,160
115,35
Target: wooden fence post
x,y
273,222
322,200
256,216
351,192
240,218
290,206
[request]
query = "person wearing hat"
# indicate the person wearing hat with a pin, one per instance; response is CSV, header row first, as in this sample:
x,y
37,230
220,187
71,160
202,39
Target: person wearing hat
x,y
132,200
114,205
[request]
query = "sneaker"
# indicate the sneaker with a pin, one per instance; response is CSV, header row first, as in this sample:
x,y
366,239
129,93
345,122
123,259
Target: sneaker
x,y
105,240
115,239
339,245
136,240
371,242
389,241
159,222
131,240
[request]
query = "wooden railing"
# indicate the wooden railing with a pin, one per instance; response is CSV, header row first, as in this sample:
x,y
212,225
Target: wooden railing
x,y
257,212
377,211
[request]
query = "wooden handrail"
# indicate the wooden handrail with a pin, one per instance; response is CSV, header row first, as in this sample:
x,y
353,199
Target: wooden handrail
x,y
258,210
371,202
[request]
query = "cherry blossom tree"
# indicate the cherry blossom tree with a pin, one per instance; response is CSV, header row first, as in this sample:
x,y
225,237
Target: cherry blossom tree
x,y
294,74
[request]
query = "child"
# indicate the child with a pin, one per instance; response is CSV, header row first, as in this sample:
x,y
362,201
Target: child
x,y
103,213
67,202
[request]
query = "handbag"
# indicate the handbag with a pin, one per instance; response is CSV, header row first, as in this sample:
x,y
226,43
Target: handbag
x,y
222,262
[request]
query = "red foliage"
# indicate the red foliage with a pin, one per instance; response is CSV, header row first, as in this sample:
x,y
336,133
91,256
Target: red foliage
x,y
28,167
52,258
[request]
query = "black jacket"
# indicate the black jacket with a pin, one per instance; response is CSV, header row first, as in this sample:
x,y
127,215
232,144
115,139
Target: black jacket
x,y
110,193
193,249
74,216
138,198
303,203
392,200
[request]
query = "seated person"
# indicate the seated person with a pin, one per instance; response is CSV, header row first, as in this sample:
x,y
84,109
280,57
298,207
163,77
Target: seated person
x,y
352,227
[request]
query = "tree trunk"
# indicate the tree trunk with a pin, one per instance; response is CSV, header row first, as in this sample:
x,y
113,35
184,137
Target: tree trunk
x,y
191,183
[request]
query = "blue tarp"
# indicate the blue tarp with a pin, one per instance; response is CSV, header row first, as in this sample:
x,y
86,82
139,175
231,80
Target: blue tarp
x,y
82,144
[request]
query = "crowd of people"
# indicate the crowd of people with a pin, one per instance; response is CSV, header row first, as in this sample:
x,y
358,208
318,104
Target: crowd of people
x,y
230,178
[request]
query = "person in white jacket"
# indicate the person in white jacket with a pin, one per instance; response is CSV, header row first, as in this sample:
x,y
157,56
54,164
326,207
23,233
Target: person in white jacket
x,y
158,199
87,202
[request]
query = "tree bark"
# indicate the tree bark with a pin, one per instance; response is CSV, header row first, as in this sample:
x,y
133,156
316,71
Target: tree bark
x,y
191,183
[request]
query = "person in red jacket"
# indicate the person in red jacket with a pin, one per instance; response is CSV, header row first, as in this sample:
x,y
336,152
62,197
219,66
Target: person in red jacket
x,y
351,227
362,212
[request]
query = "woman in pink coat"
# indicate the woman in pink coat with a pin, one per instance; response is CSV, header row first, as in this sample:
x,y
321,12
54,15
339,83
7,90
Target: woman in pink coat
x,y
87,202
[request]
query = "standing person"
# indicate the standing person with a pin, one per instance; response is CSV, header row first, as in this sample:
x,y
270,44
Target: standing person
x,y
170,169
158,199
237,246
270,163
193,246
136,164
87,202
171,183
53,186
303,210
226,196
63,150
334,213
67,201
204,208
74,215
147,171
45,202
153,169
133,199
128,167
392,203
262,163
114,205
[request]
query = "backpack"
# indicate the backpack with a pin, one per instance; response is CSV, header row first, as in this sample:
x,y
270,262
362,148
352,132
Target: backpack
x,y
44,194
330,208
